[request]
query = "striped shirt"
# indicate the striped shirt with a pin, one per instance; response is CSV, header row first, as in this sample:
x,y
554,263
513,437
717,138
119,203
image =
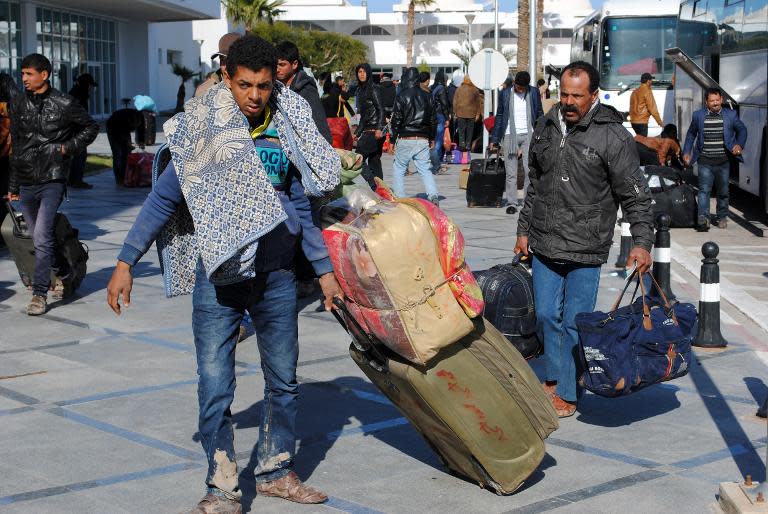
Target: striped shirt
x,y
713,149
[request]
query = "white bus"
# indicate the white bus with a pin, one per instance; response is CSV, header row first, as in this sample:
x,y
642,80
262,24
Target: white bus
x,y
623,40
724,43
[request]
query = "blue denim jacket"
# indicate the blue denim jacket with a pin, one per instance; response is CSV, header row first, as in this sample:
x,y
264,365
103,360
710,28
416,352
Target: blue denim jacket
x,y
276,250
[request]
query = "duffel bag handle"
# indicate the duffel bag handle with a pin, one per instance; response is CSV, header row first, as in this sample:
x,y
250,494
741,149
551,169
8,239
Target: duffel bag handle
x,y
647,324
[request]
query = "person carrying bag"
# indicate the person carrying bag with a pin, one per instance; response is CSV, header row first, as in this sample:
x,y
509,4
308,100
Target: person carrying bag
x,y
640,344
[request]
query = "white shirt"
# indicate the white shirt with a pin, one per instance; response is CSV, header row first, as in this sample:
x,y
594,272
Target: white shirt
x,y
520,112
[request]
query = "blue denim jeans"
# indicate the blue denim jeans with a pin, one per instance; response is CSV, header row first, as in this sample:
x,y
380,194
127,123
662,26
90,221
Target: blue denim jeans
x,y
437,153
418,151
562,290
39,204
270,299
716,175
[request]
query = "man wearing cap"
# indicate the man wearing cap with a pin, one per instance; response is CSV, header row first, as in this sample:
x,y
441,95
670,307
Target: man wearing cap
x,y
224,43
642,106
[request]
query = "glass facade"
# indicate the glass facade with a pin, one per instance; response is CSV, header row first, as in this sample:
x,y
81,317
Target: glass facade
x,y
10,39
77,44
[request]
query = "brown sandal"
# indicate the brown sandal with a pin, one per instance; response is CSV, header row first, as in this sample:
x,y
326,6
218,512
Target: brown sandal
x,y
290,487
563,408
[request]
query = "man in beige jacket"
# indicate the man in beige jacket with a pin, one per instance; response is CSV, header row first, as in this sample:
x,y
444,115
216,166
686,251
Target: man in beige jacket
x,y
642,106
465,111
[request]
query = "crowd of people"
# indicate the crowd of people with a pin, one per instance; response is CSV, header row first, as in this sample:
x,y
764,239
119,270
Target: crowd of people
x,y
242,260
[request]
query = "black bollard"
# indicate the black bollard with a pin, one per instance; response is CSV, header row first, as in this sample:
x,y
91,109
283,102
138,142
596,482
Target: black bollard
x,y
709,335
662,255
626,245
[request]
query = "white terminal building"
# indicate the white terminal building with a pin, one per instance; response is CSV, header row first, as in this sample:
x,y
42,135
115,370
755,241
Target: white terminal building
x,y
129,46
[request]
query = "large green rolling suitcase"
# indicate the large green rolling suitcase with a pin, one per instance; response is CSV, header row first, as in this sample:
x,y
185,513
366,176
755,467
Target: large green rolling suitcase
x,y
477,403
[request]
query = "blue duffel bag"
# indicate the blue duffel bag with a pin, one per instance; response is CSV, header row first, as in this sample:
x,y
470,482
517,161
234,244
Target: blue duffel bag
x,y
632,347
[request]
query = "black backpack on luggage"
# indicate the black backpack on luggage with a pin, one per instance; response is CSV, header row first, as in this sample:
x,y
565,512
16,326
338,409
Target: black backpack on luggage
x,y
508,295
70,252
672,196
487,178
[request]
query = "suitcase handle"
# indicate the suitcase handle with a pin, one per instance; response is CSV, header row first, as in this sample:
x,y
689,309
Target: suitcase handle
x,y
488,154
375,358
16,225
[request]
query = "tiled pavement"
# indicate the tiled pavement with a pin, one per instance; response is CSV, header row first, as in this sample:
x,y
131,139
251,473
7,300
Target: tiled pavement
x,y
98,413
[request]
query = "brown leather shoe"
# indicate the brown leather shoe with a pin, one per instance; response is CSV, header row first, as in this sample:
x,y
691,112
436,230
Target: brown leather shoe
x,y
213,504
563,408
290,487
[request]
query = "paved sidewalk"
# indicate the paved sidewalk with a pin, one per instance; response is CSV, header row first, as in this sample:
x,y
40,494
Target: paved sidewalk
x,y
98,413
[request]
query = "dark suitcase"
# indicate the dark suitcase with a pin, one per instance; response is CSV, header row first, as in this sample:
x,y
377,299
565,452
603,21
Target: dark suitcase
x,y
672,196
71,254
478,404
508,295
147,131
487,177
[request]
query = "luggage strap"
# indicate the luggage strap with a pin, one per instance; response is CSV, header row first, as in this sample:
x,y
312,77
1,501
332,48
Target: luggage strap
x,y
647,325
376,359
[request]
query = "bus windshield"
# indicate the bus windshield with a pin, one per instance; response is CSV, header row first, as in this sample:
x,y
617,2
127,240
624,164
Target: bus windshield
x,y
633,46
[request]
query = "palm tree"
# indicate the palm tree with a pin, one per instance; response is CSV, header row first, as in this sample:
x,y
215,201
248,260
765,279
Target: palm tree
x,y
523,34
467,50
539,38
409,29
184,74
250,12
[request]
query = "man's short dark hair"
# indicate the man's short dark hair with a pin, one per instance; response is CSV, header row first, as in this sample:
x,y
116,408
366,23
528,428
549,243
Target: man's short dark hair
x,y
540,82
251,52
712,91
523,78
288,51
578,67
37,61
423,76
339,78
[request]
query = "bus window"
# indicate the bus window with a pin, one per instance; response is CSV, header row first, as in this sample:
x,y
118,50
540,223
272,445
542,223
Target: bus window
x,y
633,46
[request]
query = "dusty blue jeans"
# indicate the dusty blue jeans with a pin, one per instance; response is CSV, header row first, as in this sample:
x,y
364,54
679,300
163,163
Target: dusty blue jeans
x,y
562,290
416,150
270,299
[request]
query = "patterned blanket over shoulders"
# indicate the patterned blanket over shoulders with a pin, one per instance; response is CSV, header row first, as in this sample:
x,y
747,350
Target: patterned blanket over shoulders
x,y
230,201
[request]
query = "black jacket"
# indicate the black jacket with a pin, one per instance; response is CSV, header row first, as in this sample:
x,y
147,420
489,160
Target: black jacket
x,y
305,86
578,181
388,93
414,111
368,103
443,105
39,128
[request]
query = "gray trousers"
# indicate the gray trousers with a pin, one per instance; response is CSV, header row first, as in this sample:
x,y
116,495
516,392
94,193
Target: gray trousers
x,y
522,143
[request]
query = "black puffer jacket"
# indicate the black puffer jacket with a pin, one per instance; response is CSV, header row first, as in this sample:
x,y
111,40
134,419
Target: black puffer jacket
x,y
39,128
414,111
578,181
368,103
306,87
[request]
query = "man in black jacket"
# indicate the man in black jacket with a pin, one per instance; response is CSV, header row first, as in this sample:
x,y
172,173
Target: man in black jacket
x,y
388,94
413,127
583,164
48,128
443,108
81,91
289,72
370,136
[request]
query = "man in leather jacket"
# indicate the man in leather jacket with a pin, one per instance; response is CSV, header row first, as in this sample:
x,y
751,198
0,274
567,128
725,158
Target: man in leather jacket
x,y
48,129
370,136
413,127
583,164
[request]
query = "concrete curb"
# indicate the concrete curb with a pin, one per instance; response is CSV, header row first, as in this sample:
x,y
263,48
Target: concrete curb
x,y
730,292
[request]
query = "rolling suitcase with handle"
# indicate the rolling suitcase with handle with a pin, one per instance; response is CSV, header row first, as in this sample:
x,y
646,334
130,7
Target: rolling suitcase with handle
x,y
487,178
478,404
70,252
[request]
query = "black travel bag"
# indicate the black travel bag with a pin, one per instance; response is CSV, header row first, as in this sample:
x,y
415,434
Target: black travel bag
x,y
508,295
672,196
487,177
71,254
